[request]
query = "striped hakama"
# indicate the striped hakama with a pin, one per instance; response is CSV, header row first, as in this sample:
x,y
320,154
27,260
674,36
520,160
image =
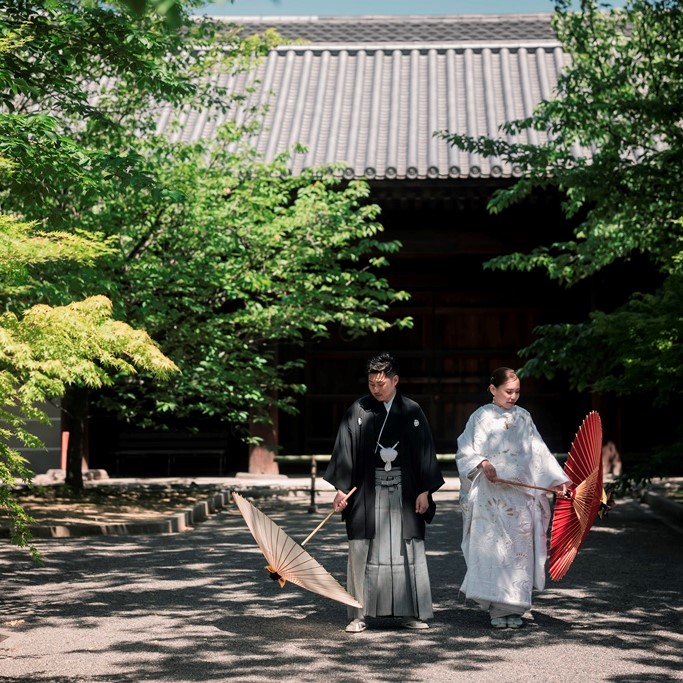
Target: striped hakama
x,y
388,573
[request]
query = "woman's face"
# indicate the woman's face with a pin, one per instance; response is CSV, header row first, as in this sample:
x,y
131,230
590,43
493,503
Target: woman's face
x,y
505,396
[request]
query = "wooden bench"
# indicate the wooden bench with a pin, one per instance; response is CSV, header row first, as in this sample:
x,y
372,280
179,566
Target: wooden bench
x,y
170,447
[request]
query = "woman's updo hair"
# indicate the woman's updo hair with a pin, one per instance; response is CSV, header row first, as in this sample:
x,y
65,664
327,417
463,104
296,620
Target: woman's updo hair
x,y
502,375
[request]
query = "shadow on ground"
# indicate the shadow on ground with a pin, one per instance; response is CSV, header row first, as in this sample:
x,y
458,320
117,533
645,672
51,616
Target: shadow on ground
x,y
199,607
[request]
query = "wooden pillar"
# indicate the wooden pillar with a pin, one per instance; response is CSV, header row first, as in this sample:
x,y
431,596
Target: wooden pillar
x,y
262,456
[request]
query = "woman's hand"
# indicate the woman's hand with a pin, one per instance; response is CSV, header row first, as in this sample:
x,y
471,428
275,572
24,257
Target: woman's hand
x,y
489,470
560,491
339,502
422,503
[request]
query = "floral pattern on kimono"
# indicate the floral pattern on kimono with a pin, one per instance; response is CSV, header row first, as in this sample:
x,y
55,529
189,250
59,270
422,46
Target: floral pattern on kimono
x,y
504,527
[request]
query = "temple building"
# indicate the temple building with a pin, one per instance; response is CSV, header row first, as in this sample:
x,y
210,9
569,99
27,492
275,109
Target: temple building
x,y
369,93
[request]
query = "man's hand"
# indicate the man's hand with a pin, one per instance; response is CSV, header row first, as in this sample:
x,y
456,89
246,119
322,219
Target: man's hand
x,y
422,503
339,502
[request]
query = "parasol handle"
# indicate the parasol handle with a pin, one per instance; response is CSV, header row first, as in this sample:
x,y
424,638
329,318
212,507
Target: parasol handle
x,y
317,529
529,486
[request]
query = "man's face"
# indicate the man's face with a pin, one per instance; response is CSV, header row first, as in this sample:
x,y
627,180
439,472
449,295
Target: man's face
x,y
382,386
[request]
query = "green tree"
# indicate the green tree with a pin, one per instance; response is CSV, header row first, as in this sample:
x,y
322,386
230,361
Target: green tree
x,y
219,257
75,82
250,258
45,350
619,100
56,60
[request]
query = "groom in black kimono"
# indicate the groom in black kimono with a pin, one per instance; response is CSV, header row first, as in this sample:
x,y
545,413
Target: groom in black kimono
x,y
384,448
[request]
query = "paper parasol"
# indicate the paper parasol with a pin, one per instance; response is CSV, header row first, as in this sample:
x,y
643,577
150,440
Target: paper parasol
x,y
574,516
287,560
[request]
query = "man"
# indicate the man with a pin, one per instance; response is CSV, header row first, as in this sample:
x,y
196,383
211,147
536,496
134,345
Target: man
x,y
385,449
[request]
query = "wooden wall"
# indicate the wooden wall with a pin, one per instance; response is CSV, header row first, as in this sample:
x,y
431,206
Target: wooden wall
x,y
467,320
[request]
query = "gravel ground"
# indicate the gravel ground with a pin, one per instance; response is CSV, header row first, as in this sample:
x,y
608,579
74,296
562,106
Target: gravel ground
x,y
50,505
198,606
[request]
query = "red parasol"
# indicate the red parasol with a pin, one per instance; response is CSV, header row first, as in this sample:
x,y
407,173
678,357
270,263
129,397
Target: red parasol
x,y
574,516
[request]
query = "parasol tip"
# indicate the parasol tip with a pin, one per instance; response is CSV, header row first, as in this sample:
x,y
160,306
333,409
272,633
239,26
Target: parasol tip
x,y
275,576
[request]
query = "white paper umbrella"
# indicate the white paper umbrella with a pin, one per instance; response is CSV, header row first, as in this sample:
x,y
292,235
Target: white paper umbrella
x,y
287,560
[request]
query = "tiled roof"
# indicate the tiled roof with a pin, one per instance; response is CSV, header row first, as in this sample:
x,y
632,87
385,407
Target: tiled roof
x,y
479,28
370,92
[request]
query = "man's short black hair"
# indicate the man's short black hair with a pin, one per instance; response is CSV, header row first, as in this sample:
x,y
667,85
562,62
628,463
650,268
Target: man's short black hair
x,y
383,363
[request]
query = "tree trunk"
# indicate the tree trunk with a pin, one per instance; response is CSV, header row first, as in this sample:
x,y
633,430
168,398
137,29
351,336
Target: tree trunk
x,y
75,408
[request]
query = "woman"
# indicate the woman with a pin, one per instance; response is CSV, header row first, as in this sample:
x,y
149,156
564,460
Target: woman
x,y
504,526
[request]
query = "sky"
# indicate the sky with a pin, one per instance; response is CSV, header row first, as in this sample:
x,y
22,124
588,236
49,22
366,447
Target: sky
x,y
376,7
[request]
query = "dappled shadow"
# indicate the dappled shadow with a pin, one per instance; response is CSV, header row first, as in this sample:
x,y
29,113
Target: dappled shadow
x,y
200,607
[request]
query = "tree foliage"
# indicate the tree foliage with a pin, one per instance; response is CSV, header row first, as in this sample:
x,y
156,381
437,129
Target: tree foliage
x,y
220,258
619,102
249,258
47,350
44,350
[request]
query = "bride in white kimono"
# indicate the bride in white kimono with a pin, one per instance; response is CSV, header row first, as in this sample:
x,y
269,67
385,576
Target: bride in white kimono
x,y
504,526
